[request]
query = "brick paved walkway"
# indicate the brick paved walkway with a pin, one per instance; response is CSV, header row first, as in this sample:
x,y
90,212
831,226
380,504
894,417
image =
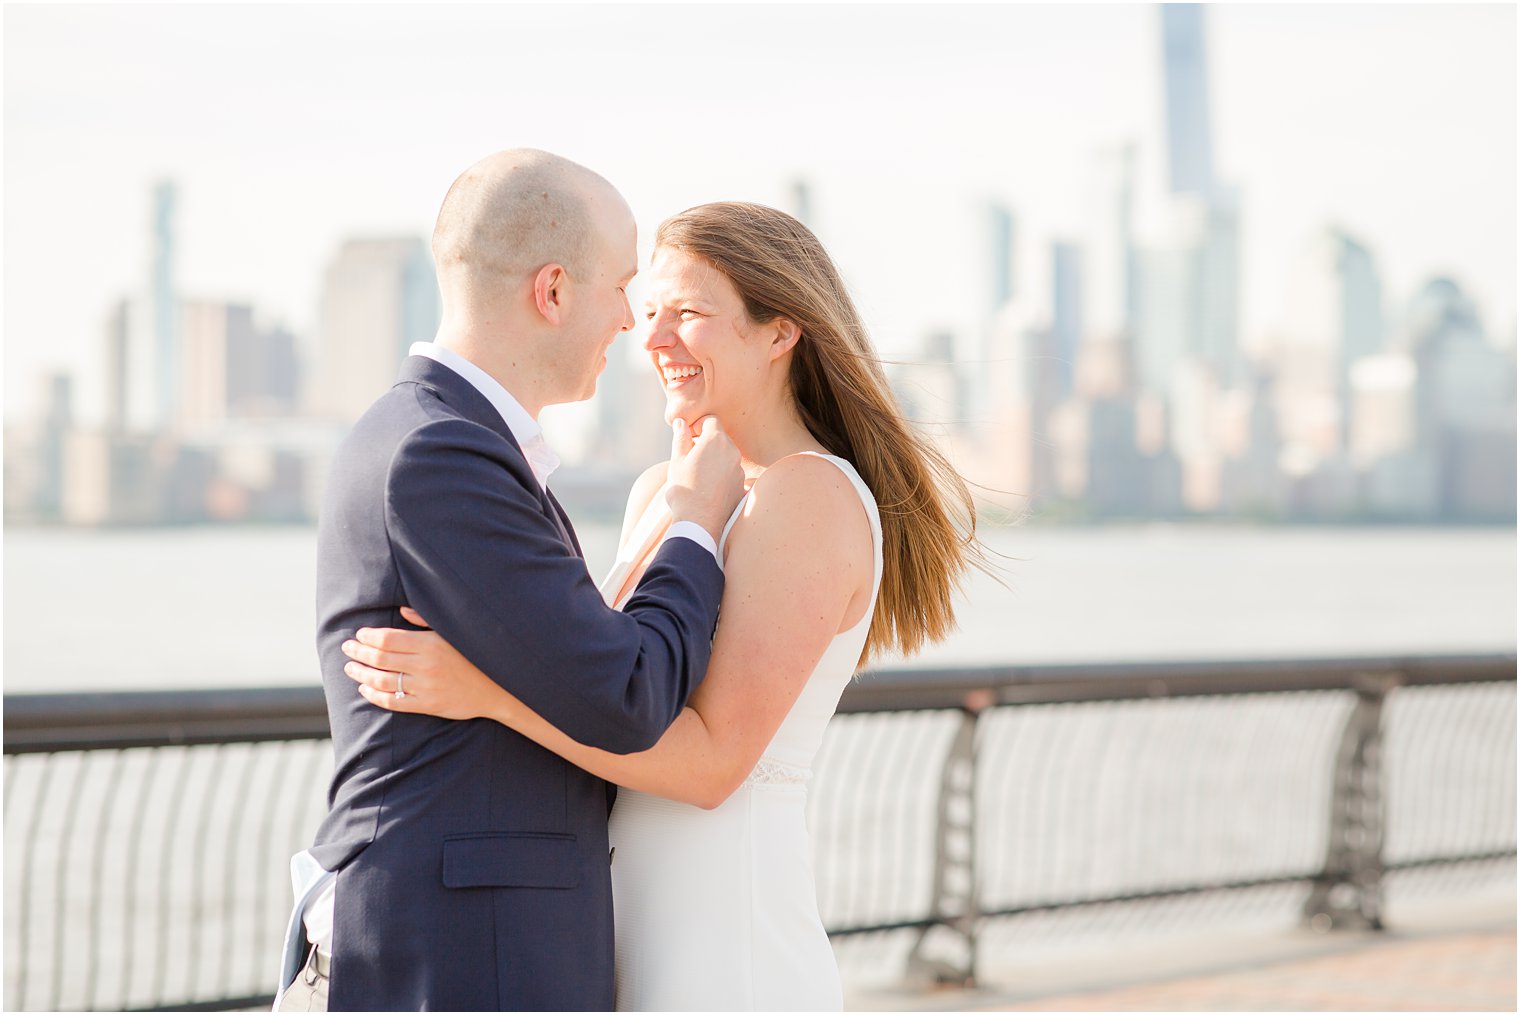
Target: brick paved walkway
x,y
1454,972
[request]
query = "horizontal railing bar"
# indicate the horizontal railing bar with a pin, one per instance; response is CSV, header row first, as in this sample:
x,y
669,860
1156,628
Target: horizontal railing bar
x,y
261,1002
110,708
886,928
90,721
1180,891
1107,900
1448,861
1169,893
912,690
169,734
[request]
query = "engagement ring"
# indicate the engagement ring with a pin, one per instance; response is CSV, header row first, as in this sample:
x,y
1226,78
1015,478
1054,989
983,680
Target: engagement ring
x,y
400,690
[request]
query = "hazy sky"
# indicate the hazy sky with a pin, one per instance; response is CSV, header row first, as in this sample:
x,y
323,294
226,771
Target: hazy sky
x,y
290,128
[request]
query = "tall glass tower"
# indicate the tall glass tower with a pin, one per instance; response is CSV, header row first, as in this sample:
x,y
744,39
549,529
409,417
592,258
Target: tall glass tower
x,y
1190,147
1191,279
148,370
164,310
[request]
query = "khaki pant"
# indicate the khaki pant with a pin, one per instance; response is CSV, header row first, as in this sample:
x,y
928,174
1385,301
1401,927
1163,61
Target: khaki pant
x,y
309,990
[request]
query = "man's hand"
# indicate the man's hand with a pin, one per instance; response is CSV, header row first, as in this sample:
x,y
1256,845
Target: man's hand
x,y
706,479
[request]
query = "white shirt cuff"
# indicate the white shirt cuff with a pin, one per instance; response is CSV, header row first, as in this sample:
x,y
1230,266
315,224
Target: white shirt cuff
x,y
697,534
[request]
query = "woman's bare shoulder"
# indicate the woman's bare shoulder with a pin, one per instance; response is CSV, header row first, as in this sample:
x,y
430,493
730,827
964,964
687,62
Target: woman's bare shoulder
x,y
648,483
644,490
806,490
808,473
804,537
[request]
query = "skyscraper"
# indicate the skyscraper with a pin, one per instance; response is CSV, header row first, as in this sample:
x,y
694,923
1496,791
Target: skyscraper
x,y
378,297
1218,340
1190,148
233,368
976,372
1335,311
210,329
150,371
1189,286
117,350
997,223
1464,380
1464,403
1103,365
163,305
1109,289
1188,282
1166,326
1065,314
1334,317
263,373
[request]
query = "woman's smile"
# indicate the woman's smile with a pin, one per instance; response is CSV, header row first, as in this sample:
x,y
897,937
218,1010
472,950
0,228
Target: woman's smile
x,y
678,375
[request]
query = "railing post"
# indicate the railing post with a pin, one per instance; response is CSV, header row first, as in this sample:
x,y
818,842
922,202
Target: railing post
x,y
1348,894
954,908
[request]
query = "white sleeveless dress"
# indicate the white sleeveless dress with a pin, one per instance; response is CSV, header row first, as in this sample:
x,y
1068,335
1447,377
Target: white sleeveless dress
x,y
716,910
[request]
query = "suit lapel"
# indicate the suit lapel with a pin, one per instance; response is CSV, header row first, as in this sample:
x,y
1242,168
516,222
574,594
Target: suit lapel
x,y
472,405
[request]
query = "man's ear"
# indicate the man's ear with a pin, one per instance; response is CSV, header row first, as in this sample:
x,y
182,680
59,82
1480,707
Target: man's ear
x,y
551,291
787,334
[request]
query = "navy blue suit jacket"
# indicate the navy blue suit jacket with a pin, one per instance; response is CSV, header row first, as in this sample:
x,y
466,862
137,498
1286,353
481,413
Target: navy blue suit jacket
x,y
473,864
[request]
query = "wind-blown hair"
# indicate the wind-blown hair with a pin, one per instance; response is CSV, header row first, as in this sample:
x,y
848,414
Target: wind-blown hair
x,y
928,517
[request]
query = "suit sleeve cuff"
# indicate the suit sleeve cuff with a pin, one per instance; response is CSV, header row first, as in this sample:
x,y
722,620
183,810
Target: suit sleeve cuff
x,y
697,534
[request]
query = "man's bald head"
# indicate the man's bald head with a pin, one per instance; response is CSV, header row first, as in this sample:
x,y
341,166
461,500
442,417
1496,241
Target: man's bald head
x,y
514,212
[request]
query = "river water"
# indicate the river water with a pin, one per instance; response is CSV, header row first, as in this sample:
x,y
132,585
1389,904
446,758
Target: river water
x,y
233,607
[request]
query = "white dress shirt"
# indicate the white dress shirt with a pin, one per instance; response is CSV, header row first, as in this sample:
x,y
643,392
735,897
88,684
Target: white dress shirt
x,y
530,436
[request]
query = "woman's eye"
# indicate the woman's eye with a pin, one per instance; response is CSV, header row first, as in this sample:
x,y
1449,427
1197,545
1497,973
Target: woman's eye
x,y
687,315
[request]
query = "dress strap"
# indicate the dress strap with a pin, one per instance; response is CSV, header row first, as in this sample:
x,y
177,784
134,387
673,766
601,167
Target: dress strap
x,y
738,510
873,516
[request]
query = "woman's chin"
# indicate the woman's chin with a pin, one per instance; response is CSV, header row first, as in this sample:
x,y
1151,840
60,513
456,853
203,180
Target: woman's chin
x,y
678,408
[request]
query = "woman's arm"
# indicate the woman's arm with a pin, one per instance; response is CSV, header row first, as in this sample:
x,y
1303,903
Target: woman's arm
x,y
799,568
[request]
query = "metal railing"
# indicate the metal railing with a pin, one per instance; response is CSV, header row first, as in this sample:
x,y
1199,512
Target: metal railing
x,y
147,834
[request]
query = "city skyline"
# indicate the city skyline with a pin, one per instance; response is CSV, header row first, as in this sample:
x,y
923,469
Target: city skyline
x,y
252,249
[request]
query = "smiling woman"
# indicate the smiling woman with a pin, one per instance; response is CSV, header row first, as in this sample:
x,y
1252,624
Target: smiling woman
x,y
735,285
711,356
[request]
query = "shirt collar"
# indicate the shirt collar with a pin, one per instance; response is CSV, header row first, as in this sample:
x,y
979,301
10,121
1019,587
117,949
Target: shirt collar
x,y
529,434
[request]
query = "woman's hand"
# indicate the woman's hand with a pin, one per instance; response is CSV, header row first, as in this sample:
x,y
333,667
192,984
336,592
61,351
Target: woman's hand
x,y
436,678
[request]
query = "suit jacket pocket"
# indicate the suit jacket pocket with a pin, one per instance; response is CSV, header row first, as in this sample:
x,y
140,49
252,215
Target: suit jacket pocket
x,y
511,860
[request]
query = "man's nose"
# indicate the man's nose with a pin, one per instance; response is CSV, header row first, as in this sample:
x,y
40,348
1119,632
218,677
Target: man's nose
x,y
627,316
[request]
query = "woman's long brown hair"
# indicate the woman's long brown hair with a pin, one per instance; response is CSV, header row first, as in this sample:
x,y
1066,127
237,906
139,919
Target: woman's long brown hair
x,y
928,517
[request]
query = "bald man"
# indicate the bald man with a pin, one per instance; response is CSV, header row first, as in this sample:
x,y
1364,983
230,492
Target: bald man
x,y
461,866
